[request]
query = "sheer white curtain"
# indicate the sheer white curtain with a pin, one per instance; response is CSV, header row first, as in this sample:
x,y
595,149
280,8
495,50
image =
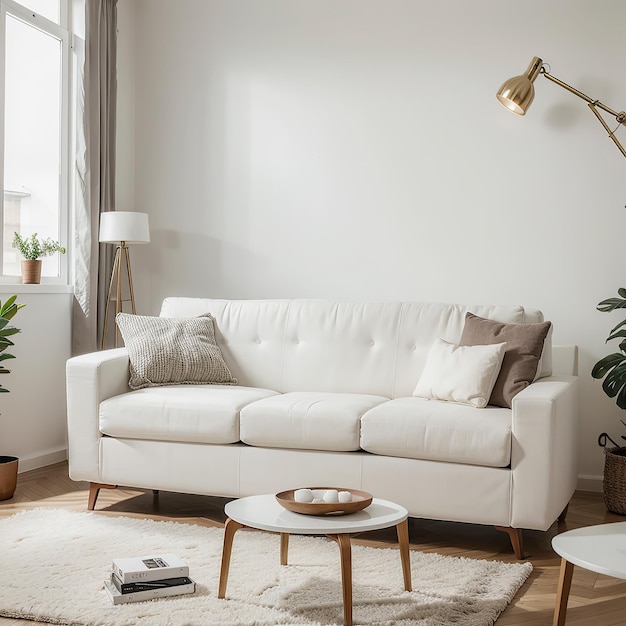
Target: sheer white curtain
x,y
95,169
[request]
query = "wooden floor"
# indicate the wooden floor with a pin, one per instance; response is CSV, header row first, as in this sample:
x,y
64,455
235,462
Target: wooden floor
x,y
595,600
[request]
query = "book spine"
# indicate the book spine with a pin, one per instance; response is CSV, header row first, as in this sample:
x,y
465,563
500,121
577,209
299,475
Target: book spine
x,y
141,596
151,574
146,586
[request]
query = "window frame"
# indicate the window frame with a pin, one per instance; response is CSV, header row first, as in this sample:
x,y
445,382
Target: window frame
x,y
63,33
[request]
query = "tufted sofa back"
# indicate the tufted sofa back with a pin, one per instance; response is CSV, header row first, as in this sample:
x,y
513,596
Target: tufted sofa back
x,y
335,346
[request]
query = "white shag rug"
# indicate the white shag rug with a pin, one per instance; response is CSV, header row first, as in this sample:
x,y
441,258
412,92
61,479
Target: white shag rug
x,y
53,564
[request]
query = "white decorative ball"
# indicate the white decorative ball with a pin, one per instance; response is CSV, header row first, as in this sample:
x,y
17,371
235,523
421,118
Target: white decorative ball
x,y
303,495
345,496
331,495
318,494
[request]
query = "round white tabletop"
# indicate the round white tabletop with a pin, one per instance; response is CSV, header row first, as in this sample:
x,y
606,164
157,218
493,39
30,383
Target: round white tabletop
x,y
599,548
265,513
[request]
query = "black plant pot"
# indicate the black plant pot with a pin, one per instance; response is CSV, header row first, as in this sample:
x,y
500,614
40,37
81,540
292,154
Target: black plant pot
x,y
8,476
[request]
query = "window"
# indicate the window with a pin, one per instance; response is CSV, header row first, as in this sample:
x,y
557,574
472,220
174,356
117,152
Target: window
x,y
50,9
34,133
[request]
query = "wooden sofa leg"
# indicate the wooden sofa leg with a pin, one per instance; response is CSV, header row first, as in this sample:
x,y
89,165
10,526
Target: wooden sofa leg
x,y
94,490
561,518
515,535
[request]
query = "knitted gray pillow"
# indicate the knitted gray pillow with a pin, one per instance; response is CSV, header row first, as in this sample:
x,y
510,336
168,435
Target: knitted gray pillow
x,y
172,351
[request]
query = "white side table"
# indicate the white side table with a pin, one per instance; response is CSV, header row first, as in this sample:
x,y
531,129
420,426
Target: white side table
x,y
597,548
264,513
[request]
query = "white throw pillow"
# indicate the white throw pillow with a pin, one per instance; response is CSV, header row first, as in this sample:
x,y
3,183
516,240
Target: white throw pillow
x,y
464,374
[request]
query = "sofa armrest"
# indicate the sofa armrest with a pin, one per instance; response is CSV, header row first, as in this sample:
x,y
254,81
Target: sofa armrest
x,y
544,455
90,379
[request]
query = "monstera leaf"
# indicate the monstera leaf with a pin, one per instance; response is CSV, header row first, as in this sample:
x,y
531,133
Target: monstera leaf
x,y
613,369
611,304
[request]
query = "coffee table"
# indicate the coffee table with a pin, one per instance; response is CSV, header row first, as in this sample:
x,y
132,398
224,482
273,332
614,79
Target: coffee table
x,y
264,513
598,548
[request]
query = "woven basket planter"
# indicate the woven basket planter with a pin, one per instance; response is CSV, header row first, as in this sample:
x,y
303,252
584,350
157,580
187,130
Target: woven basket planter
x,y
614,483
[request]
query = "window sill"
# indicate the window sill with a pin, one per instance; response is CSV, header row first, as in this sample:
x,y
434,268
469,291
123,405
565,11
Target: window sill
x,y
16,288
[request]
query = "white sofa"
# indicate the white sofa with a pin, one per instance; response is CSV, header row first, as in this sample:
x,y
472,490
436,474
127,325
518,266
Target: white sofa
x,y
324,397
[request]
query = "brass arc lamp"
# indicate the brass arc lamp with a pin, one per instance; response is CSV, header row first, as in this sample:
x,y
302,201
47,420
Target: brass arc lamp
x,y
517,94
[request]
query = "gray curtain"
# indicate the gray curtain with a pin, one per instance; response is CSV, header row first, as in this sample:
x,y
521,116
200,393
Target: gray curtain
x,y
95,170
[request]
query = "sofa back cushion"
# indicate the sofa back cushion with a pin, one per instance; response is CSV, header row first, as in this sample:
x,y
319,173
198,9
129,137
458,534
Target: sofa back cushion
x,y
334,346
249,333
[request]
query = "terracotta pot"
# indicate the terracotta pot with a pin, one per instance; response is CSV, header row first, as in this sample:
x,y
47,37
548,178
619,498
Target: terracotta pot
x,y
31,272
8,476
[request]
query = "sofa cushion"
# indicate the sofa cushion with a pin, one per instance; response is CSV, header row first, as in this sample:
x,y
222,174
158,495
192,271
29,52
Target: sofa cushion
x,y
198,413
307,420
416,428
166,351
464,374
522,359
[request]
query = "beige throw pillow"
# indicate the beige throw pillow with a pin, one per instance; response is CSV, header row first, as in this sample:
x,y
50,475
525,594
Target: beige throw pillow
x,y
464,374
524,345
172,351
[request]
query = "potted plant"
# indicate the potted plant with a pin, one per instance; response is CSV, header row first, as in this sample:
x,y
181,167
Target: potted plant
x,y
8,464
33,249
612,368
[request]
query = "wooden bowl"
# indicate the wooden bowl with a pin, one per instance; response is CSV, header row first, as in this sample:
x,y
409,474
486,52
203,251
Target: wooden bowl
x,y
360,500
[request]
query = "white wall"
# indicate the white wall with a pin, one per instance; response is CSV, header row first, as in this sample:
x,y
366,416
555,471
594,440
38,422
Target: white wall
x,y
33,413
355,148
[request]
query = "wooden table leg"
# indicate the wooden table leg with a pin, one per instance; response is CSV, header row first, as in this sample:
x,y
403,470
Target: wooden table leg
x,y
405,557
230,528
565,582
345,552
284,548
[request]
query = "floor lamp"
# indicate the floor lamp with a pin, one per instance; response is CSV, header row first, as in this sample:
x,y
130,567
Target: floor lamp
x,y
517,94
122,228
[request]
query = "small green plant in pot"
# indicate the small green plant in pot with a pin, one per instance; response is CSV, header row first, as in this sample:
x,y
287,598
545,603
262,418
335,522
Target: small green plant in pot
x,y
612,368
8,464
33,249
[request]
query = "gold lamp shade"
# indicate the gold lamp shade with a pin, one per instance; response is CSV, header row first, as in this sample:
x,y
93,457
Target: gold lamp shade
x,y
517,93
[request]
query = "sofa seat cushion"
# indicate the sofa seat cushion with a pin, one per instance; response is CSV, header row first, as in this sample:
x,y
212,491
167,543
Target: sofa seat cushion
x,y
307,420
195,413
417,428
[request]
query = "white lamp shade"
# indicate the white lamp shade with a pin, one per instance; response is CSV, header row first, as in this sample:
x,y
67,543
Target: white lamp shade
x,y
127,226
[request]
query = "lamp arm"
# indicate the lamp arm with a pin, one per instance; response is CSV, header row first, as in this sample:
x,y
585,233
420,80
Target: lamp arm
x,y
580,94
611,133
594,105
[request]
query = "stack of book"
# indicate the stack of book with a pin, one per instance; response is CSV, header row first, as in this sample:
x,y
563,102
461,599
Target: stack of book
x,y
142,578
